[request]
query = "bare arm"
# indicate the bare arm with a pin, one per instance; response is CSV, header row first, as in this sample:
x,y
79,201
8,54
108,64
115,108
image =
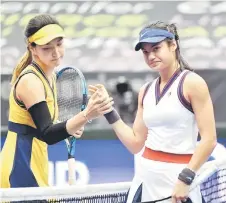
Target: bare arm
x,y
30,90
197,93
133,138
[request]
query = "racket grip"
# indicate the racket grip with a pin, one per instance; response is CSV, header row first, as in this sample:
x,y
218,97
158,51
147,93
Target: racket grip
x,y
70,156
71,171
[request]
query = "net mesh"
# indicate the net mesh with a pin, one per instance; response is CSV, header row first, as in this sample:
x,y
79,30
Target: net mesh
x,y
213,191
214,188
109,193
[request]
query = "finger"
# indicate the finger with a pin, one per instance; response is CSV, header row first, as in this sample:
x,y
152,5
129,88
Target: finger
x,y
93,86
184,199
100,100
107,107
105,102
91,92
174,200
79,132
96,94
92,89
99,86
179,198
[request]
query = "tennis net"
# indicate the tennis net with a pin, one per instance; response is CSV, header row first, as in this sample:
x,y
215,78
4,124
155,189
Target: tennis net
x,y
213,190
109,193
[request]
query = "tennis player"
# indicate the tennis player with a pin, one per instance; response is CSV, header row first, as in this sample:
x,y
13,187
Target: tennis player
x,y
33,108
171,111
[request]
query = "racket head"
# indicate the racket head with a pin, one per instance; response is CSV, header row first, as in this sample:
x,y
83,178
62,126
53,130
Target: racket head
x,y
71,92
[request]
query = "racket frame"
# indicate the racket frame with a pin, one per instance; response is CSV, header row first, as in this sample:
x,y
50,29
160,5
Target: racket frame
x,y
70,145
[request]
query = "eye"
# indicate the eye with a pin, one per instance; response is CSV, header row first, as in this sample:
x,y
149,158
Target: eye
x,y
60,44
46,48
145,52
156,49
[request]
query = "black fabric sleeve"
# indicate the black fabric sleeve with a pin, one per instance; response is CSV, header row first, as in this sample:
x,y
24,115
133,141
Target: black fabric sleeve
x,y
47,131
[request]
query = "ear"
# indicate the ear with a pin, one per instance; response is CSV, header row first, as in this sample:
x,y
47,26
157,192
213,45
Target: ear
x,y
33,50
173,46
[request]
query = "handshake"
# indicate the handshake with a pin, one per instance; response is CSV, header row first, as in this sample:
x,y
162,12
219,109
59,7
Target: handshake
x,y
99,104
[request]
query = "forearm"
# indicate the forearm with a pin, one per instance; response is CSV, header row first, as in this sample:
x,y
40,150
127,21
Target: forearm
x,y
76,123
126,136
53,133
202,153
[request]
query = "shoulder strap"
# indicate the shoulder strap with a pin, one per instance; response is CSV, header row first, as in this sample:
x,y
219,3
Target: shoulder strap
x,y
145,91
180,93
20,103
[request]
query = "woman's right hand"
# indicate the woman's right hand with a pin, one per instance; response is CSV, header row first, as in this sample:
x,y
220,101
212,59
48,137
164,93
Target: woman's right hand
x,y
98,105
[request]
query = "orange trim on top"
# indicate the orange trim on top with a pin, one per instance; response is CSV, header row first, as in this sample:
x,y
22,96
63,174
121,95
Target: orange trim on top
x,y
166,157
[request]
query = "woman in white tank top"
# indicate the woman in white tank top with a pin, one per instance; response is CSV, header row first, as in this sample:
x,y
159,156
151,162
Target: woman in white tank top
x,y
171,111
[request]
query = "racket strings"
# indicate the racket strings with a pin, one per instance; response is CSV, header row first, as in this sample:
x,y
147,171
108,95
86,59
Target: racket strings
x,y
69,94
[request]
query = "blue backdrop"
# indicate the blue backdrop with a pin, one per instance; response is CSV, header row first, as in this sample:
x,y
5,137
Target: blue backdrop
x,y
97,161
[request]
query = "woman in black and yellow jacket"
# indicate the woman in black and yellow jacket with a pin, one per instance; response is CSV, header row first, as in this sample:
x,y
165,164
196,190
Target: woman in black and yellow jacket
x,y
33,108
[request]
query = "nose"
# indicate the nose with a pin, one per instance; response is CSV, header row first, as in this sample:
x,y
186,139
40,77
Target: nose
x,y
151,56
56,52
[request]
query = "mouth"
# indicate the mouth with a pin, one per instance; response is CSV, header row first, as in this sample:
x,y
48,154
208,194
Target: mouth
x,y
56,59
153,63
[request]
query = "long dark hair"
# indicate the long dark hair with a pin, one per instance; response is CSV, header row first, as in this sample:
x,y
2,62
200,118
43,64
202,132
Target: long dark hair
x,y
173,29
32,27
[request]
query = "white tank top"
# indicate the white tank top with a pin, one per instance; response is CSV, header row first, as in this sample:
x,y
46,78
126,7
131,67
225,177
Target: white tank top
x,y
169,117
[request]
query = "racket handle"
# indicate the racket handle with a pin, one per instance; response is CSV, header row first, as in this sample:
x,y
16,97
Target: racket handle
x,y
71,171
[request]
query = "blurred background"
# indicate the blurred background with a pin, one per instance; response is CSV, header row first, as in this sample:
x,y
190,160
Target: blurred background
x,y
100,41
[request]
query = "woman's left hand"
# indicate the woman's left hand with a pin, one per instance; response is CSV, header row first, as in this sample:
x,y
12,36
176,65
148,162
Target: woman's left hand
x,y
79,133
180,192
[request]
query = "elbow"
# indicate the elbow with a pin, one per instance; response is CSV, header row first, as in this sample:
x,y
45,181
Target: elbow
x,y
214,143
132,151
211,143
135,151
49,141
136,148
47,138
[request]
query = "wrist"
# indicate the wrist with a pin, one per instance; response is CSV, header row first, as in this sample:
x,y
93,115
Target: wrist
x,y
112,117
187,176
85,115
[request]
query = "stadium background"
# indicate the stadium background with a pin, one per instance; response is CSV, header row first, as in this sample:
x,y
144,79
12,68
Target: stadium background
x,y
101,37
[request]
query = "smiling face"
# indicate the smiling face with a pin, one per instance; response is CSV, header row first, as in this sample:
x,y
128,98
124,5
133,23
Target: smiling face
x,y
50,54
159,56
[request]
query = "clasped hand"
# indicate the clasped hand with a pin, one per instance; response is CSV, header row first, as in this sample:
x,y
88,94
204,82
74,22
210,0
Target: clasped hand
x,y
99,103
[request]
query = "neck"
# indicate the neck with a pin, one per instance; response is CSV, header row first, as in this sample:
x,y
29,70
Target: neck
x,y
46,69
167,73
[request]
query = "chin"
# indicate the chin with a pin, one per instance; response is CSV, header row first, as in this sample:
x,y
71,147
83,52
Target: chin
x,y
157,68
57,62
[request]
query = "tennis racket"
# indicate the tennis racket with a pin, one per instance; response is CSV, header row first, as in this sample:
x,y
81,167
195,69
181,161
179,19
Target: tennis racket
x,y
206,171
71,98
